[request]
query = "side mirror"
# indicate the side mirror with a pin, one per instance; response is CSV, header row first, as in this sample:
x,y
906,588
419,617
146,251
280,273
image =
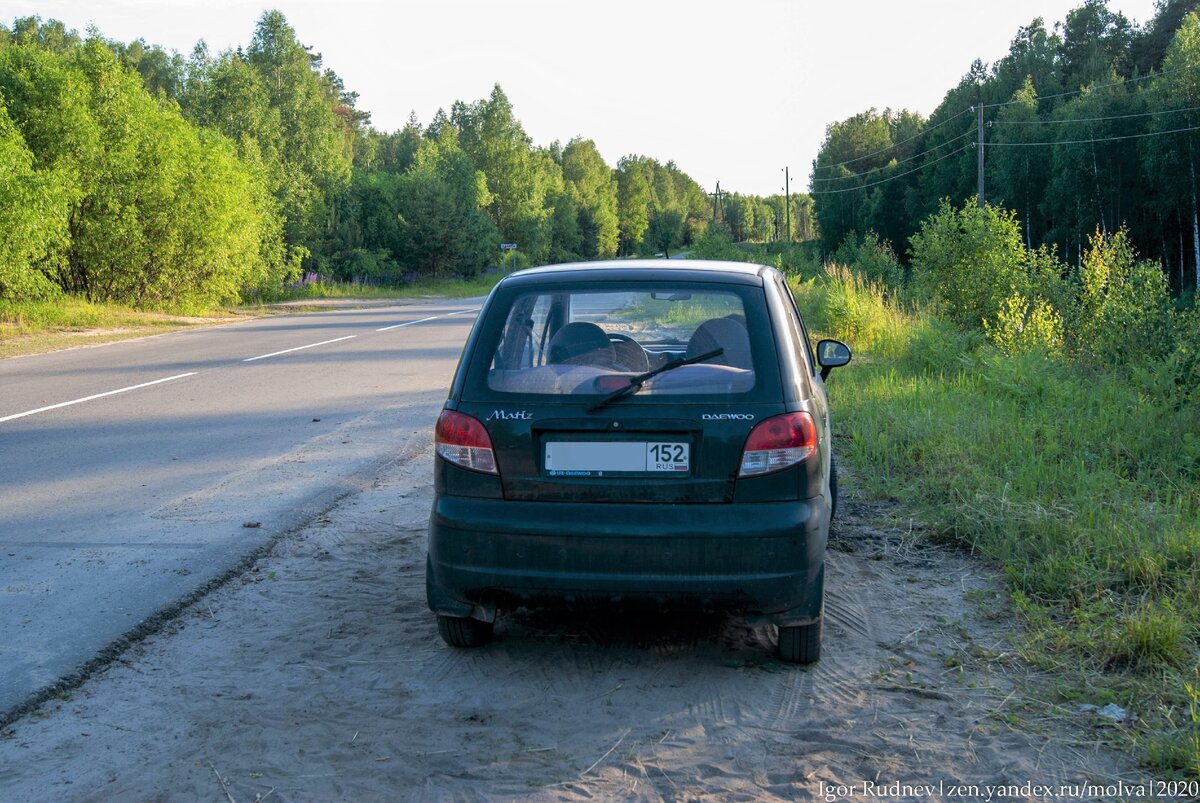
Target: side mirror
x,y
832,354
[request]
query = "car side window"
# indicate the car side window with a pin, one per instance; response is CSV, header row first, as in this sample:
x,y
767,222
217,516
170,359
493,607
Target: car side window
x,y
796,325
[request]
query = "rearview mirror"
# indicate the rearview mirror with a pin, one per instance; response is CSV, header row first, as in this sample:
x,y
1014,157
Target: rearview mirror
x,y
832,354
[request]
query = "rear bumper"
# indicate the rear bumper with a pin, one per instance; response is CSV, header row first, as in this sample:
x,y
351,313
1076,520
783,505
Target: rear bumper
x,y
761,559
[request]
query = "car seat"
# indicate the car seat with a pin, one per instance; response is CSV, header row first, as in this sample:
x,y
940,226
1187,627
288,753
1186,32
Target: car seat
x,y
581,343
722,333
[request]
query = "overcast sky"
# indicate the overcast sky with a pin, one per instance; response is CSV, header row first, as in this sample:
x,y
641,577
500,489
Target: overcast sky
x,y
732,91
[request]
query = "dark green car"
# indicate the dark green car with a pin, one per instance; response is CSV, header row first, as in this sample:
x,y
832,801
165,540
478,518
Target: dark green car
x,y
636,434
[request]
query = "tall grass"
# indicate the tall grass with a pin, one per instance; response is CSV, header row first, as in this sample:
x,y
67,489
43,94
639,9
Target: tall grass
x,y
1082,484
31,327
73,313
450,288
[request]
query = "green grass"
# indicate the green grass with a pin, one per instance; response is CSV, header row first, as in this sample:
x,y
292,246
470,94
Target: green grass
x,y
447,288
34,327
30,317
1083,487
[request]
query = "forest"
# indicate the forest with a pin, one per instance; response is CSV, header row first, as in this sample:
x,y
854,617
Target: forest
x,y
1092,126
136,175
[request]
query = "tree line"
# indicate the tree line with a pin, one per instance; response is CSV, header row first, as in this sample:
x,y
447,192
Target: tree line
x,y
1093,126
133,174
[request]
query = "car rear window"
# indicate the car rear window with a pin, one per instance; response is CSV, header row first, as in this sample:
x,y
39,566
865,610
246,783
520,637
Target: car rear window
x,y
569,341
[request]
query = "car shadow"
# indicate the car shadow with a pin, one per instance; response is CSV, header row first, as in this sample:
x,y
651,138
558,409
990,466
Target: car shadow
x,y
656,631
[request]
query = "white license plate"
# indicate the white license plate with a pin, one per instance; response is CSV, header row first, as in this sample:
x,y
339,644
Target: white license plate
x,y
595,458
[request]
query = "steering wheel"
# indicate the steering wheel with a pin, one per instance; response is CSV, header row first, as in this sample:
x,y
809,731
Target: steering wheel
x,y
627,354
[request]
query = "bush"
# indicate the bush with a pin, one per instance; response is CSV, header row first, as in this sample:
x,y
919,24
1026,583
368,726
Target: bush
x,y
794,259
1184,361
1023,325
365,264
872,257
1124,312
716,243
970,259
33,218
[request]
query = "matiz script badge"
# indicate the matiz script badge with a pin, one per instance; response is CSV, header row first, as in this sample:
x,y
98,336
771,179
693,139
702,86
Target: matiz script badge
x,y
505,415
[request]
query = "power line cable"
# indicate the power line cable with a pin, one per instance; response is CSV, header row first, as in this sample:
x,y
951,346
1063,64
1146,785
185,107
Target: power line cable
x,y
962,136
893,178
1098,139
1039,99
1004,144
1093,119
966,134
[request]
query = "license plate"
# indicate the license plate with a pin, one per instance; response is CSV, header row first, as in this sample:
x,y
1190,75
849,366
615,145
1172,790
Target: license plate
x,y
597,458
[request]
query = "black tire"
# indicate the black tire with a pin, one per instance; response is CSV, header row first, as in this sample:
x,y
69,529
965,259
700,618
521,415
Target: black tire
x,y
801,644
458,631
832,487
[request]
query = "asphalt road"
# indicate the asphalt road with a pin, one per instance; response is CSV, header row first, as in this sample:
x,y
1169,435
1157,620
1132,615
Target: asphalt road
x,y
136,474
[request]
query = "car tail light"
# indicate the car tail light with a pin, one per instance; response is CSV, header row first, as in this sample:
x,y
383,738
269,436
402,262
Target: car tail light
x,y
463,441
778,442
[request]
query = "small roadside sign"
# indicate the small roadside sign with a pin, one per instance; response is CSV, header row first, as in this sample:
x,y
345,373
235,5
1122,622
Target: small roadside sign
x,y
508,246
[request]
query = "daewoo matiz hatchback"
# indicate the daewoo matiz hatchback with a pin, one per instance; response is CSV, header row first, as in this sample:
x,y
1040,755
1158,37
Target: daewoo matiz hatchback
x,y
636,434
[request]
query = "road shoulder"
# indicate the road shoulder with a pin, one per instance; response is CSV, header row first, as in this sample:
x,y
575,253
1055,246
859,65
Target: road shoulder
x,y
319,674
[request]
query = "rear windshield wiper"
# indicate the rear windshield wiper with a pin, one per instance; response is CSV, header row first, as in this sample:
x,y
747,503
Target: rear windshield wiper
x,y
636,382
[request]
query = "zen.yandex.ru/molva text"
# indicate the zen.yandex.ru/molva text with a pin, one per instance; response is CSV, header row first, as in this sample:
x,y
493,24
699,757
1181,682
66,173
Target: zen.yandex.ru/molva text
x,y
943,790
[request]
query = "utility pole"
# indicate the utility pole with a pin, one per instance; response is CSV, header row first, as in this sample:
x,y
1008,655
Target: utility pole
x,y
787,202
979,153
716,196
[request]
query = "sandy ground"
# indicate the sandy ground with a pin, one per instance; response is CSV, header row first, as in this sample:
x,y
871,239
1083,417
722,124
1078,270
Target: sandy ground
x,y
319,675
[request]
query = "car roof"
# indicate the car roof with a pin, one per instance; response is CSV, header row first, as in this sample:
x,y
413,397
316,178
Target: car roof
x,y
695,270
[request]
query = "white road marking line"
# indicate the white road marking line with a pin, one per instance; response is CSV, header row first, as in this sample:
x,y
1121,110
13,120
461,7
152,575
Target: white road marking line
x,y
299,348
409,323
96,396
193,373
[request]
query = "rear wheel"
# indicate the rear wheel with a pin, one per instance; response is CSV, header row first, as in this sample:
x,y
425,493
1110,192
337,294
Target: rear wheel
x,y
458,631
801,644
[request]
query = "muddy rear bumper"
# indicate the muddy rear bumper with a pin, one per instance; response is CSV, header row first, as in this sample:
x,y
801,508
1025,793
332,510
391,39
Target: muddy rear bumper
x,y
759,559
